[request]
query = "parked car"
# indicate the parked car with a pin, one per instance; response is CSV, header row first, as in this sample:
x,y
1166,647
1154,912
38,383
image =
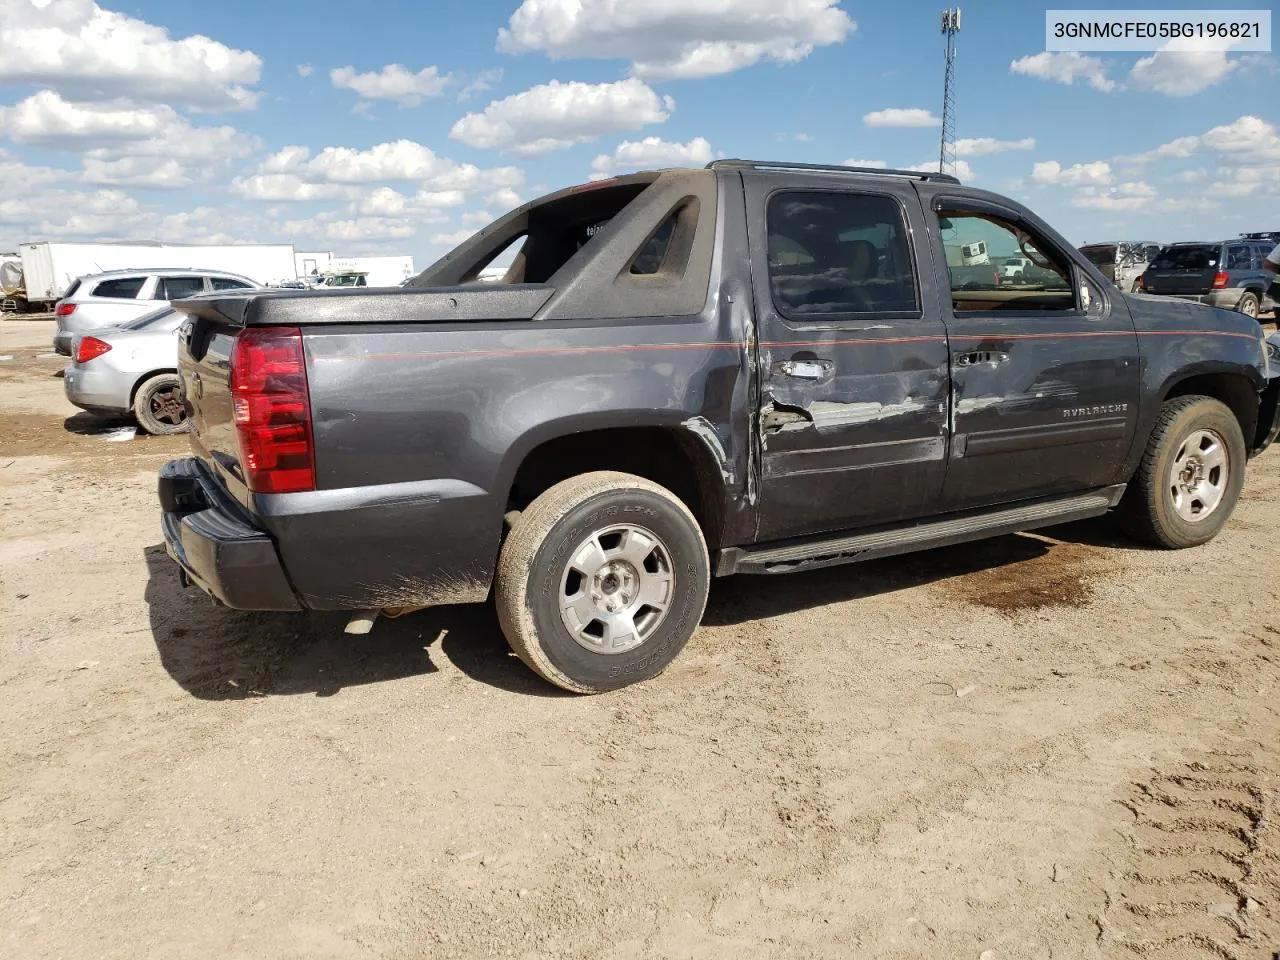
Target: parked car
x,y
118,296
1226,274
1015,267
751,368
131,369
1123,261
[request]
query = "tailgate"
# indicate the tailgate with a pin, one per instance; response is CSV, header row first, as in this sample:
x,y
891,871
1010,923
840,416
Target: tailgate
x,y
1183,269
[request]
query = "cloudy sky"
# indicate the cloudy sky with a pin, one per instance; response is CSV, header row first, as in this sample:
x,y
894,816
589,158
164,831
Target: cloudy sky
x,y
397,126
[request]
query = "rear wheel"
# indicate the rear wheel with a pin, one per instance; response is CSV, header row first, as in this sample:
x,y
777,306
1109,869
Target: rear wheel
x,y
1248,304
1190,476
602,581
158,405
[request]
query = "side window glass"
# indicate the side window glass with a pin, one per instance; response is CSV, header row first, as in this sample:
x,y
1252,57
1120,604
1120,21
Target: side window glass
x,y
1238,257
226,283
978,244
666,251
839,253
125,288
1152,252
175,288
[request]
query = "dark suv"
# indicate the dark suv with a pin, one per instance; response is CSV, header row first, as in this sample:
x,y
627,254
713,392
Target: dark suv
x,y
1227,274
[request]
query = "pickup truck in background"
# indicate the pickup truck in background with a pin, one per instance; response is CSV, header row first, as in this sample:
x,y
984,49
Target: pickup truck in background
x,y
1122,262
753,368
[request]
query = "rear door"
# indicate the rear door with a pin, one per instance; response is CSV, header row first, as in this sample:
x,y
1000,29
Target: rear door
x,y
852,355
180,286
1184,268
1045,377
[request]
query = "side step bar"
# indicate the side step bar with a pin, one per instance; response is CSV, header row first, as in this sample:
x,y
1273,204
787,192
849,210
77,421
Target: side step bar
x,y
944,532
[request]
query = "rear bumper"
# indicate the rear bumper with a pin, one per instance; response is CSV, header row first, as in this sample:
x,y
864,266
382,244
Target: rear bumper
x,y
218,550
97,389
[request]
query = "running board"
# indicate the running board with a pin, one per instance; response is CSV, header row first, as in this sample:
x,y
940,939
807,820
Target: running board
x,y
920,536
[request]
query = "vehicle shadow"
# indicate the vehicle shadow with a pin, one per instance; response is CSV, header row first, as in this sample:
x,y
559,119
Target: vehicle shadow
x,y
88,424
218,654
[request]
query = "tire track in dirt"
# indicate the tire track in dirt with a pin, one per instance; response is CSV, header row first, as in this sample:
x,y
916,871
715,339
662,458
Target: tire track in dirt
x,y
1201,875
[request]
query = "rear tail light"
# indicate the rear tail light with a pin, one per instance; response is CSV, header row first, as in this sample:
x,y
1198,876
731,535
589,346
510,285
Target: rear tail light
x,y
66,309
1142,281
1219,280
272,408
90,347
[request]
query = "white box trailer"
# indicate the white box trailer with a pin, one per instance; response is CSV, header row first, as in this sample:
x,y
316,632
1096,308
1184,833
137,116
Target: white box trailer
x,y
48,268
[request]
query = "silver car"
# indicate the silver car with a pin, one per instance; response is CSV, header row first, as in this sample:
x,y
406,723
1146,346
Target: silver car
x,y
131,369
114,298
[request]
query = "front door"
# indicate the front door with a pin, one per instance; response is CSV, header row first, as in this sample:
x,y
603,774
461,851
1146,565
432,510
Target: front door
x,y
852,356
1044,366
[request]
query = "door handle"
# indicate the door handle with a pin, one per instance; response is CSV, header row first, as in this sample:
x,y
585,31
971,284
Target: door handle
x,y
980,356
805,369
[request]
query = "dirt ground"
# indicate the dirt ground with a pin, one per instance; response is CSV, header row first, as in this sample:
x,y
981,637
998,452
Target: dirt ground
x,y
1049,746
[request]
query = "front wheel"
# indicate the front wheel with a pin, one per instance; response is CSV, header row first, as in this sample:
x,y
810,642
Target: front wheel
x,y
602,581
1190,476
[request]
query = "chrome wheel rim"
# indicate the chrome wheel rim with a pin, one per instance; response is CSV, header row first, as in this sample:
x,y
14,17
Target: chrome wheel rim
x,y
616,589
1250,308
1199,475
166,406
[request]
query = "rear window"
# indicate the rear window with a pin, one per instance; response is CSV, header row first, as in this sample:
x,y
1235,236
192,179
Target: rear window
x,y
1100,256
71,290
1192,257
122,288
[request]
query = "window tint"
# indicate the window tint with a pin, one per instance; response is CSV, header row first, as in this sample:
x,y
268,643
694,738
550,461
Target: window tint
x,y
974,242
1239,257
651,255
227,283
1152,252
833,253
175,288
1104,255
666,252
1191,256
123,288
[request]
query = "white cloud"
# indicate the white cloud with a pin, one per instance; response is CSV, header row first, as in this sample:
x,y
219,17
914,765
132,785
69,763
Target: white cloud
x,y
483,81
1181,69
878,164
305,69
987,146
355,229
901,117
504,199
1190,176
89,53
1250,139
477,218
1051,172
669,39
393,82
451,240
1065,67
963,171
124,144
290,187
651,153
1125,196
555,116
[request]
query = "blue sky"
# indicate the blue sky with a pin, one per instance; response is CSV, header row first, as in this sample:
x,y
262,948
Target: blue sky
x,y
392,126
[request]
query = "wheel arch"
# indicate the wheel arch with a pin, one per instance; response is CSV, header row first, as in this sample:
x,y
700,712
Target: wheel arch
x,y
1230,387
139,381
683,455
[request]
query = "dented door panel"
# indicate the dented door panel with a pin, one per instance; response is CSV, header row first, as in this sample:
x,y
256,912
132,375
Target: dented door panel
x,y
853,410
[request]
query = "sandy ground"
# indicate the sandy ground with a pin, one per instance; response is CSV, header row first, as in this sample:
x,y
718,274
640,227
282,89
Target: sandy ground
x,y
1040,746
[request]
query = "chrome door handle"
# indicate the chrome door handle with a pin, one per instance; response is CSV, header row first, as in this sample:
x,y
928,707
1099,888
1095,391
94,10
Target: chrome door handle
x,y
980,356
805,369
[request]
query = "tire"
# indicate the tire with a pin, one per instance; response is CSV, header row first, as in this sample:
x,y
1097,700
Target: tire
x,y
1248,304
154,405
1159,509
548,559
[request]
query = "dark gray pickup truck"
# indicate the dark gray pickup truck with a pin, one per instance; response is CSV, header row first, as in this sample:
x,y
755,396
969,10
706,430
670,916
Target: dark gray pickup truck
x,y
753,368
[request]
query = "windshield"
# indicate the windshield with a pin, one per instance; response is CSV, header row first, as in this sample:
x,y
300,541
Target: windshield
x,y
151,319
1198,256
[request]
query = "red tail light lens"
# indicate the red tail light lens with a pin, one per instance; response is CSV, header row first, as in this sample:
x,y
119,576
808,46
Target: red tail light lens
x,y
89,348
272,409
66,309
1219,280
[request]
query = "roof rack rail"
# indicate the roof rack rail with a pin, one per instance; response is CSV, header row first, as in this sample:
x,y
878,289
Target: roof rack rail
x,y
830,168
